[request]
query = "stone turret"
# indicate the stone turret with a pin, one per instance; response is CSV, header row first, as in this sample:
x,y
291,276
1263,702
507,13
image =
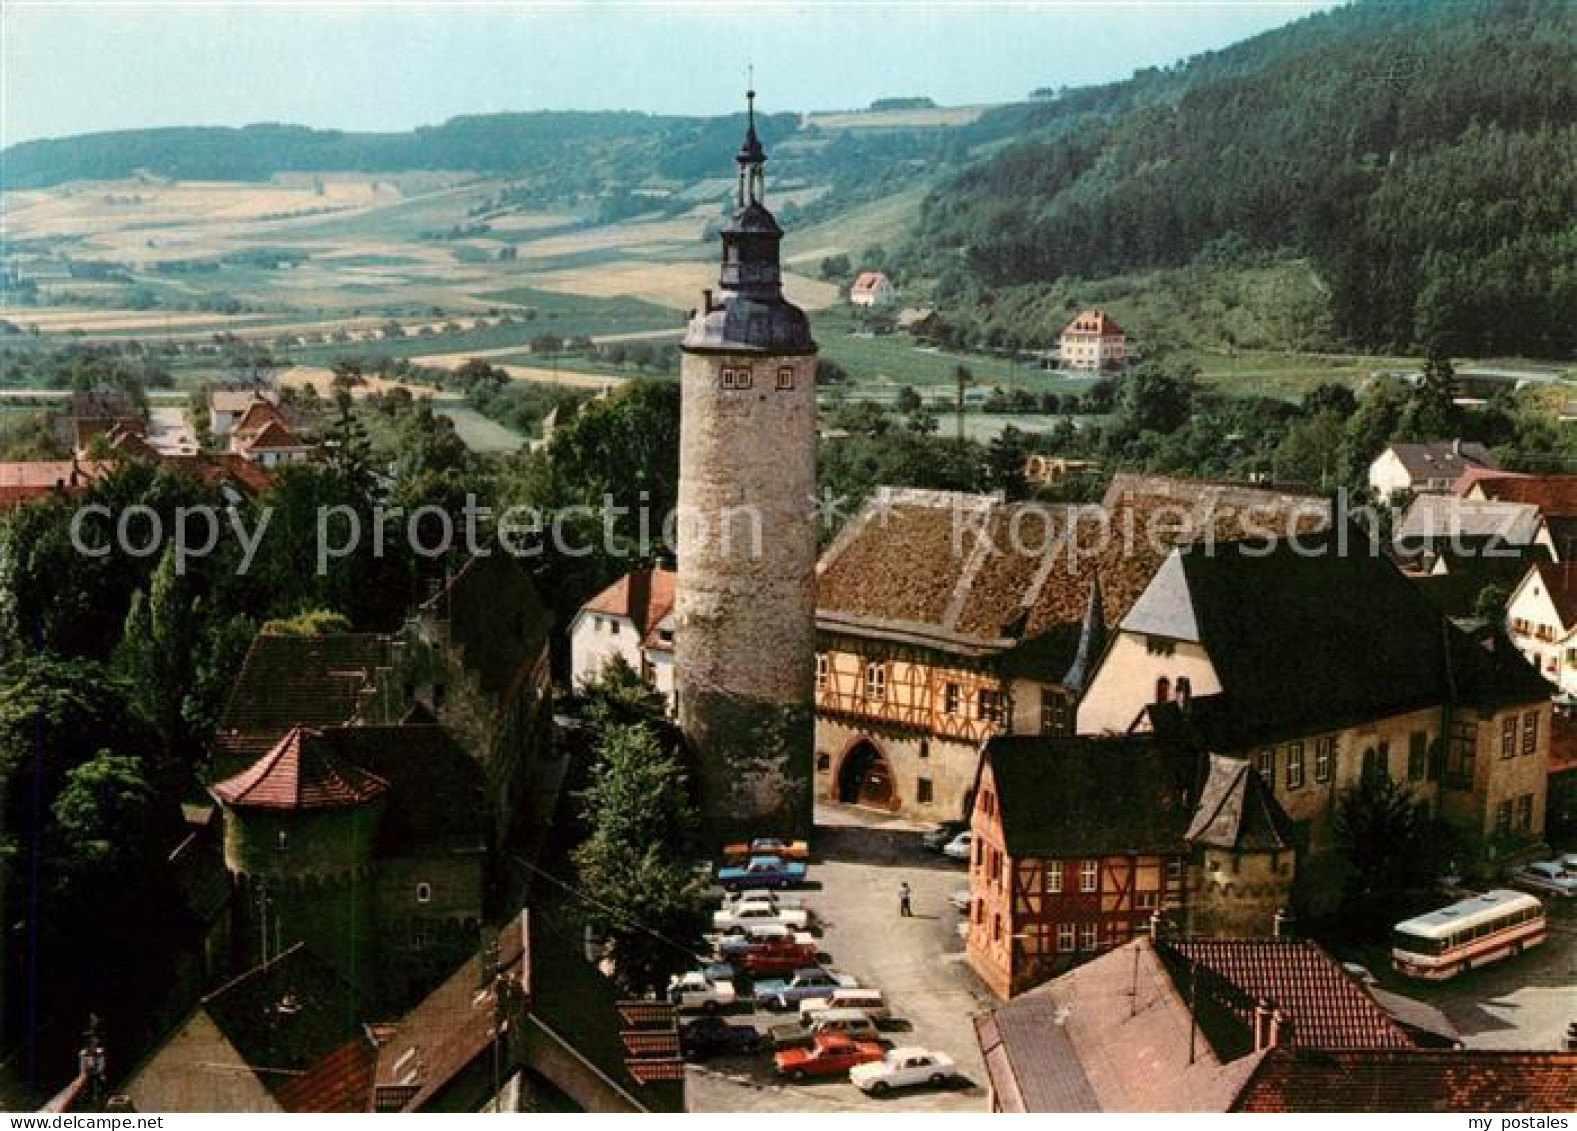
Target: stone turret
x,y
744,642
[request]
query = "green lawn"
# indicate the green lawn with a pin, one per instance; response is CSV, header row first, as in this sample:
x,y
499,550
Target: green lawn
x,y
895,360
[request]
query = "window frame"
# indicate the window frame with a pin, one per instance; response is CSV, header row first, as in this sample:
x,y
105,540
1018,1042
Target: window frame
x,y
1089,876
1295,765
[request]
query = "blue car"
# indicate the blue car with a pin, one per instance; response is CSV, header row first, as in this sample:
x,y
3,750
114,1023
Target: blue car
x,y
809,982
762,872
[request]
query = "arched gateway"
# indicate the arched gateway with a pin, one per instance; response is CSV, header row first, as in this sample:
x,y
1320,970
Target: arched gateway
x,y
866,778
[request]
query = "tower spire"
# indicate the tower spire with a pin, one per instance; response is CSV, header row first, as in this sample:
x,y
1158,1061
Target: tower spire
x,y
752,158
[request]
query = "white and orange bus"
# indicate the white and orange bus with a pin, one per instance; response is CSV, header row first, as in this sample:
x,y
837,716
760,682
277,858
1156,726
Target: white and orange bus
x,y
1472,932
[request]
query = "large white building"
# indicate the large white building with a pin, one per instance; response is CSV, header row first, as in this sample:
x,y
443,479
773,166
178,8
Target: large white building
x,y
1093,341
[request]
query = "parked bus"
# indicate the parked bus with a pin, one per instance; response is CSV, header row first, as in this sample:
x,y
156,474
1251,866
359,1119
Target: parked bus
x,y
1472,932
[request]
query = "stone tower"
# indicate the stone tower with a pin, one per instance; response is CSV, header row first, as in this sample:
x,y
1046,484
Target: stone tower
x,y
745,632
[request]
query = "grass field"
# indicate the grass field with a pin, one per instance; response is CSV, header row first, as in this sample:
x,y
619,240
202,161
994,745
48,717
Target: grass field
x,y
479,433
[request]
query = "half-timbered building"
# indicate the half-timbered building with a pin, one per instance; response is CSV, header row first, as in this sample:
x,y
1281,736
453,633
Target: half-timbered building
x,y
1079,844
944,619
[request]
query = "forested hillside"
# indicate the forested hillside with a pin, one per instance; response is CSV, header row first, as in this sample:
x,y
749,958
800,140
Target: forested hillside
x,y
1423,155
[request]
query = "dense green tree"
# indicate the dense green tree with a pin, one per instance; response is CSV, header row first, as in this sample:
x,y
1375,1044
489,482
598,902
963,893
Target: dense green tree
x,y
1386,840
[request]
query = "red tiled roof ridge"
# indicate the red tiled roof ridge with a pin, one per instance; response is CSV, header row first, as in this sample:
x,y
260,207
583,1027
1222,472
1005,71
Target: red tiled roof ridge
x,y
300,772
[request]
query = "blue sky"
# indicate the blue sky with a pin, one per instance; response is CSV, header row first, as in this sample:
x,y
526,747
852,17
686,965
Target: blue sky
x,y
68,69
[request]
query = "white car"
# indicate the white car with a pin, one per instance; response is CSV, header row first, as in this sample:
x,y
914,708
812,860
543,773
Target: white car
x,y
903,1068
1568,863
779,899
696,990
1545,876
958,847
754,912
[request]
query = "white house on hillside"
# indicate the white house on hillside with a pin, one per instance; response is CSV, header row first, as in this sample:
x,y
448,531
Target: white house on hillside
x,y
1093,341
633,620
1415,468
873,288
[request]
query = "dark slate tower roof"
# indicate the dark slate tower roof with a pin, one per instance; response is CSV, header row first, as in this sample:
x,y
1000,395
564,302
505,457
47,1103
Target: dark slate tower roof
x,y
750,314
1092,641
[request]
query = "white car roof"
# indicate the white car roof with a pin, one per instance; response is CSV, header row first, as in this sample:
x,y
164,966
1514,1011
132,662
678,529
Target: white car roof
x,y
908,1051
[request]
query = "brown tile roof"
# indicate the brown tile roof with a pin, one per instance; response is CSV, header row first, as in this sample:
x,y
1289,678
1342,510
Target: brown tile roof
x,y
973,573
24,481
1555,495
340,1083
237,400
644,597
301,772
258,416
285,680
1442,458
448,1030
1093,321
1321,1004
1411,1080
271,436
1475,475
867,281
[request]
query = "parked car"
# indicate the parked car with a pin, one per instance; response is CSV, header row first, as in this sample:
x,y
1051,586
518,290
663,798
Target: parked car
x,y
769,846
783,899
762,872
1568,863
806,982
958,847
903,1068
855,1024
1546,876
777,958
936,838
961,899
706,1037
830,1054
760,911
696,990
867,1000
734,943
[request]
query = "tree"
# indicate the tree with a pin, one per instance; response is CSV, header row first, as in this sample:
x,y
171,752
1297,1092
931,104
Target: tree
x,y
156,649
1005,459
1386,839
1157,400
908,400
1490,604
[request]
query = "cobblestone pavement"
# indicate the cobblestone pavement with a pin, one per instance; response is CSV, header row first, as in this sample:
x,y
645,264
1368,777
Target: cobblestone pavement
x,y
917,962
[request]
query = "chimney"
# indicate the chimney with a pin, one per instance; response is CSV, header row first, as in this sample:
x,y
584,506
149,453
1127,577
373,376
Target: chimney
x,y
706,300
1267,1025
1456,446
1282,927
639,594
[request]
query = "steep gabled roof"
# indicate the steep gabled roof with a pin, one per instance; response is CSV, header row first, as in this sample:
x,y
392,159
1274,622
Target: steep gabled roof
x,y
1236,810
1559,580
1442,518
644,597
867,281
301,772
272,436
1411,1080
340,1083
1065,797
1554,495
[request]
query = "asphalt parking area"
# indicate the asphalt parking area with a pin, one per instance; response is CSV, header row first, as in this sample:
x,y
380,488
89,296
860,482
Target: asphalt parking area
x,y
918,963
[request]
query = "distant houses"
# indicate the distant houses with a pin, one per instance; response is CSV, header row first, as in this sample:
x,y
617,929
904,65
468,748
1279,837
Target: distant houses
x,y
1093,341
632,619
1418,468
872,289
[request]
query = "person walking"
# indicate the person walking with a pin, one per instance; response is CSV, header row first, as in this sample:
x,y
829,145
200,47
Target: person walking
x,y
904,910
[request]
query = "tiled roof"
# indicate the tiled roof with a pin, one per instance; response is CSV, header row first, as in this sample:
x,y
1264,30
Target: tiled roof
x,y
289,680
259,414
1093,322
448,1030
644,597
271,436
236,400
340,1083
436,797
1552,494
867,281
1474,475
1439,518
301,772
1062,797
1445,459
22,482
974,574
1412,1080
1111,1035
1321,1005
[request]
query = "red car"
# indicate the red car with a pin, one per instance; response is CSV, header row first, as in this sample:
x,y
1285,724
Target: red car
x,y
832,1054
778,958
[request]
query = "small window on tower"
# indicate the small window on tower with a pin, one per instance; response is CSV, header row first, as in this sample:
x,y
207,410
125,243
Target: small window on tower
x,y
728,377
785,377
742,377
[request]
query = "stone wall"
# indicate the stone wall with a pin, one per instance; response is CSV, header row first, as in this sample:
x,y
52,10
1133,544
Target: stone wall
x,y
745,623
